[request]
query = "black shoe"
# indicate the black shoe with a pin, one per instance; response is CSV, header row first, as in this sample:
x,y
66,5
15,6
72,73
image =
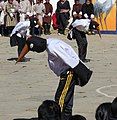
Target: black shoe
x,y
86,60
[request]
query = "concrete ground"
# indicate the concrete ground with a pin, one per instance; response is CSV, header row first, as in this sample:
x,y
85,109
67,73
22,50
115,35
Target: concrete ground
x,y
25,85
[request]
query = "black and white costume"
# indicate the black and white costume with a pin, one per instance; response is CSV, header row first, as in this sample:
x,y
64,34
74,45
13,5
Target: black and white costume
x,y
20,31
79,30
18,35
64,62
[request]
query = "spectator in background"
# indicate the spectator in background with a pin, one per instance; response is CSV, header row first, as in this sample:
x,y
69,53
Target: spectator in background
x,y
88,12
63,15
11,15
2,14
39,9
17,6
25,9
77,10
47,17
88,9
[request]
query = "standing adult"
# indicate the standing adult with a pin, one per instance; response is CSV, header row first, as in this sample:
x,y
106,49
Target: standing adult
x,y
88,9
63,15
77,10
47,17
39,9
11,15
25,9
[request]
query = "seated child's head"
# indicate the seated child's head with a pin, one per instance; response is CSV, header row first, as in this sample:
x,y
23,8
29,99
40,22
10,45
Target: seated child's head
x,y
49,110
77,117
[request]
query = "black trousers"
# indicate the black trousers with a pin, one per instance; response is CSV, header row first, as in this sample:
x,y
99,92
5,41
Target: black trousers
x,y
81,42
20,43
79,75
62,23
17,41
64,94
2,27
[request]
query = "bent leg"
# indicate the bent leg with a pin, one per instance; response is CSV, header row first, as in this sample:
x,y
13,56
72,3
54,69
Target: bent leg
x,y
64,94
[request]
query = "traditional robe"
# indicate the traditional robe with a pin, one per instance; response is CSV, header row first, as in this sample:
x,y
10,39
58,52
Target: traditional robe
x,y
62,17
48,13
77,8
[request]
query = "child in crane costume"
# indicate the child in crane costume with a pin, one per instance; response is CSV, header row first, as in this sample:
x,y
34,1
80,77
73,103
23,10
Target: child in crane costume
x,y
78,30
65,63
21,31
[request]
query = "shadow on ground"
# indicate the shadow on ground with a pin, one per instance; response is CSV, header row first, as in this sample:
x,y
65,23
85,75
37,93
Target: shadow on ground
x,y
15,59
25,119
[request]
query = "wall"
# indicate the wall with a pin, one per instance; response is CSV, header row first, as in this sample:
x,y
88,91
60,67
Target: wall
x,y
108,24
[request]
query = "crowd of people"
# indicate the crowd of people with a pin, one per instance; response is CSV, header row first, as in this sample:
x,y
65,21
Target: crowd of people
x,y
50,110
40,17
14,11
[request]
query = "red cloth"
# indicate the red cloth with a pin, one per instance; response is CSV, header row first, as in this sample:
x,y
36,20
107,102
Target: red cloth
x,y
54,20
